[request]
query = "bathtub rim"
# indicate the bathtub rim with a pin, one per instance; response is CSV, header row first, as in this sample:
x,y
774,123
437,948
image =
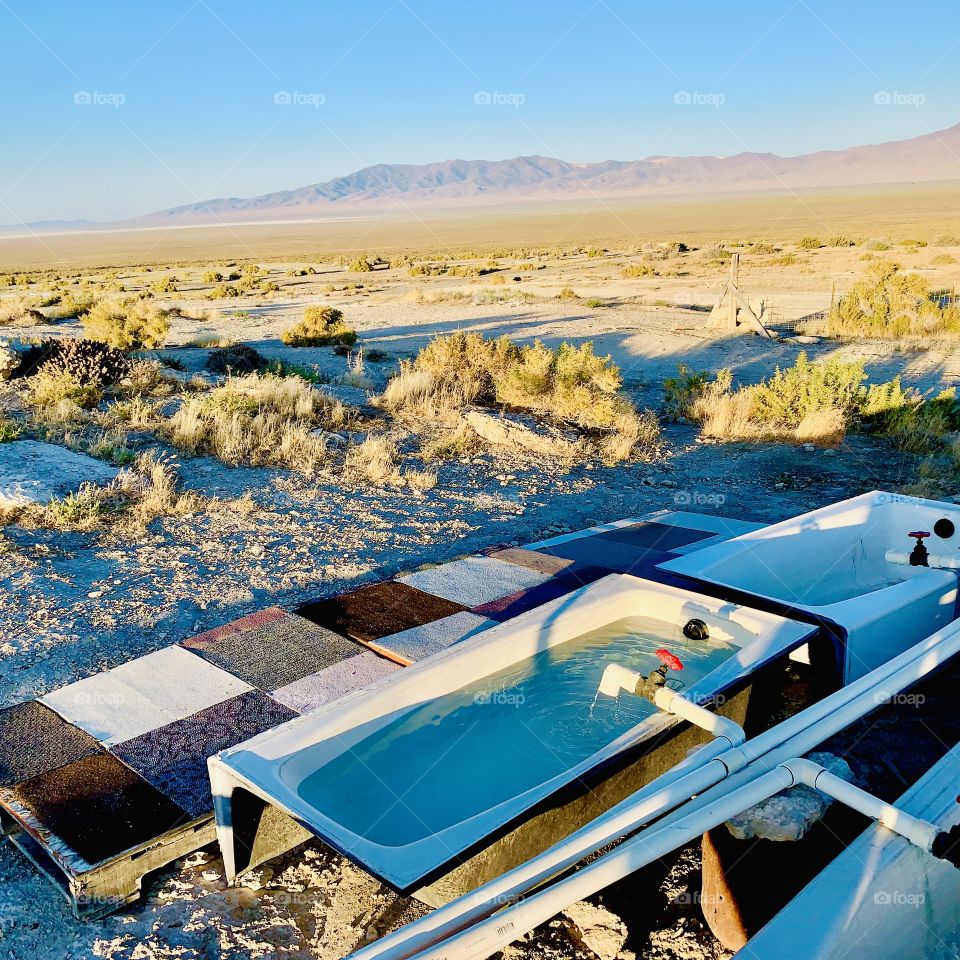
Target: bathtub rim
x,y
701,566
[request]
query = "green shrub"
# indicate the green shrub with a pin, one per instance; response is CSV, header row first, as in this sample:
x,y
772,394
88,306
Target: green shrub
x,y
268,286
809,243
793,393
223,291
320,327
567,293
569,385
212,276
127,325
361,265
166,285
889,303
637,270
682,391
840,241
8,430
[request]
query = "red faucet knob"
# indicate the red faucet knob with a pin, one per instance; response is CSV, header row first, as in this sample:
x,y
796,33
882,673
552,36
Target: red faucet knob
x,y
919,534
668,659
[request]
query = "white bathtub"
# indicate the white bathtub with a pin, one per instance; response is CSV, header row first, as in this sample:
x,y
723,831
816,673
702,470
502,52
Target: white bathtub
x,y
273,766
830,565
883,896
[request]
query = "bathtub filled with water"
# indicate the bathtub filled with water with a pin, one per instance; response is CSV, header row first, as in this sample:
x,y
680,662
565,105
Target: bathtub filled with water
x,y
496,743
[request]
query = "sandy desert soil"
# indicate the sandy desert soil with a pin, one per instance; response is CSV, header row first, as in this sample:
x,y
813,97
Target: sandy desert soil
x,y
79,602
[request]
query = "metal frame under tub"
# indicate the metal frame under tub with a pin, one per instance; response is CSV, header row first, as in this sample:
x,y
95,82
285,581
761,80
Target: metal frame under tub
x,y
851,622
260,814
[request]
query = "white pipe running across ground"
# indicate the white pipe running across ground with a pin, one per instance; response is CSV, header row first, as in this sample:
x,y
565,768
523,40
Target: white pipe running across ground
x,y
482,940
711,765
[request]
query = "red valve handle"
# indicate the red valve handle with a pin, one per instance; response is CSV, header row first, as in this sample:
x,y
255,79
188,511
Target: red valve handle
x,y
668,659
919,534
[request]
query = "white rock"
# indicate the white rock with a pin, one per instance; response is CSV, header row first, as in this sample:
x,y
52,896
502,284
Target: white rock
x,y
9,360
35,472
789,815
600,930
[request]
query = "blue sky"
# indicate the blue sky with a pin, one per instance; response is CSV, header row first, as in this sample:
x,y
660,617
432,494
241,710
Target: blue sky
x,y
116,109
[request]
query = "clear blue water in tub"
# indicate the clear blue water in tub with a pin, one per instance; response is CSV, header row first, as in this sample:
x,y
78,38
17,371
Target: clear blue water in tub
x,y
454,757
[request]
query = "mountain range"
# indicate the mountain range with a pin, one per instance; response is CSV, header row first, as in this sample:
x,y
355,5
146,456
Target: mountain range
x,y
400,188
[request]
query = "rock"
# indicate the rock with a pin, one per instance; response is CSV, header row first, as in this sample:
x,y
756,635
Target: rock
x,y
806,341
598,929
789,815
35,472
9,360
809,447
506,431
829,452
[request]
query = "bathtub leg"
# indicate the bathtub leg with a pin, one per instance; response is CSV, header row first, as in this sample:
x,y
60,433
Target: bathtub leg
x,y
249,829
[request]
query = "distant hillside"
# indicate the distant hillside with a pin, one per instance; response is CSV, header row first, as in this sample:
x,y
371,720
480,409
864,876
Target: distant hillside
x,y
932,157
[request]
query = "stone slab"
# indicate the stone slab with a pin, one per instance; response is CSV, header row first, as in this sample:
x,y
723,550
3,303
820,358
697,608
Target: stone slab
x,y
541,562
334,682
474,580
144,694
417,643
33,472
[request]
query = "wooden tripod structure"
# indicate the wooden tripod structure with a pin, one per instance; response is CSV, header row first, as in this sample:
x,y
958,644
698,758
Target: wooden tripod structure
x,y
732,310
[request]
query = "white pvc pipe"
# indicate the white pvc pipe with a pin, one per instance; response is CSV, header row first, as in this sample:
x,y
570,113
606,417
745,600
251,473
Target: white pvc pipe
x,y
937,560
721,727
496,932
483,939
825,717
919,832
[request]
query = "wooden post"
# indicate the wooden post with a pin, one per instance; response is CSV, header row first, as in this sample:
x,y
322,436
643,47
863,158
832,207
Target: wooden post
x,y
734,277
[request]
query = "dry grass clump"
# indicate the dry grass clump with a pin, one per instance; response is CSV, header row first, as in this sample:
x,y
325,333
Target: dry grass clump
x,y
258,420
570,386
374,460
636,271
810,402
891,304
50,387
148,489
320,327
127,324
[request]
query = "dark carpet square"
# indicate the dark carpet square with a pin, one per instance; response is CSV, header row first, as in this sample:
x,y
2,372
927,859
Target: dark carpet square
x,y
523,600
272,654
98,807
378,610
34,740
174,758
653,536
611,555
